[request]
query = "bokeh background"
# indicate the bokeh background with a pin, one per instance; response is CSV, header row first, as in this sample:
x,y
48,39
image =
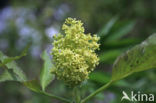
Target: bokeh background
x,y
121,24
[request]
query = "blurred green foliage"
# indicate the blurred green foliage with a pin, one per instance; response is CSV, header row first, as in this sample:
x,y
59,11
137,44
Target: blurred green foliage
x,y
120,23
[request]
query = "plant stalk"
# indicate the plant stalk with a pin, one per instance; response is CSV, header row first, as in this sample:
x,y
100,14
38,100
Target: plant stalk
x,y
76,95
96,92
57,97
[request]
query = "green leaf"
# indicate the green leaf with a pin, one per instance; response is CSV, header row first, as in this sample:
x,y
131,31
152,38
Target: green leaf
x,y
100,77
139,58
123,42
33,85
125,29
106,29
46,76
14,73
9,59
109,55
104,78
5,76
12,69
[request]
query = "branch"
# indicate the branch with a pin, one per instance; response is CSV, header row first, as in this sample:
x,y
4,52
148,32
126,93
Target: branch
x,y
57,97
96,92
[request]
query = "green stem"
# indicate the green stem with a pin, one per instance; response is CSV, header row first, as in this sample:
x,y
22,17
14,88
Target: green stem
x,y
57,97
96,92
76,95
35,87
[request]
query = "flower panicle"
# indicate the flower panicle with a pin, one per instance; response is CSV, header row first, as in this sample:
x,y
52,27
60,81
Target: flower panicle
x,y
74,53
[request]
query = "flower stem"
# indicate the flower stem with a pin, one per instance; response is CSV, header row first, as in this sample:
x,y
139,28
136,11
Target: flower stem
x,y
76,95
96,92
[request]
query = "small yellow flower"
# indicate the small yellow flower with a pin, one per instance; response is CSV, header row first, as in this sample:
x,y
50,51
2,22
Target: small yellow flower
x,y
74,53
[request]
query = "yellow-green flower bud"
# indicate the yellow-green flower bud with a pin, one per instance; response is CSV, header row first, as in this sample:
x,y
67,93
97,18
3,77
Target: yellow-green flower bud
x,y
74,53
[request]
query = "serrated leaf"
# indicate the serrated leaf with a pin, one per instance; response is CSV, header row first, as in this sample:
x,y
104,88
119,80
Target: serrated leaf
x,y
139,58
5,76
106,29
12,66
46,76
9,59
33,85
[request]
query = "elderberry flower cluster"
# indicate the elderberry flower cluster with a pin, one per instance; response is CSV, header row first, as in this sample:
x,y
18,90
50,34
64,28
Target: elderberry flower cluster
x,y
74,53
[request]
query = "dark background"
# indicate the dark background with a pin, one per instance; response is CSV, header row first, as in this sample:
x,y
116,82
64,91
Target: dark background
x,y
24,21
